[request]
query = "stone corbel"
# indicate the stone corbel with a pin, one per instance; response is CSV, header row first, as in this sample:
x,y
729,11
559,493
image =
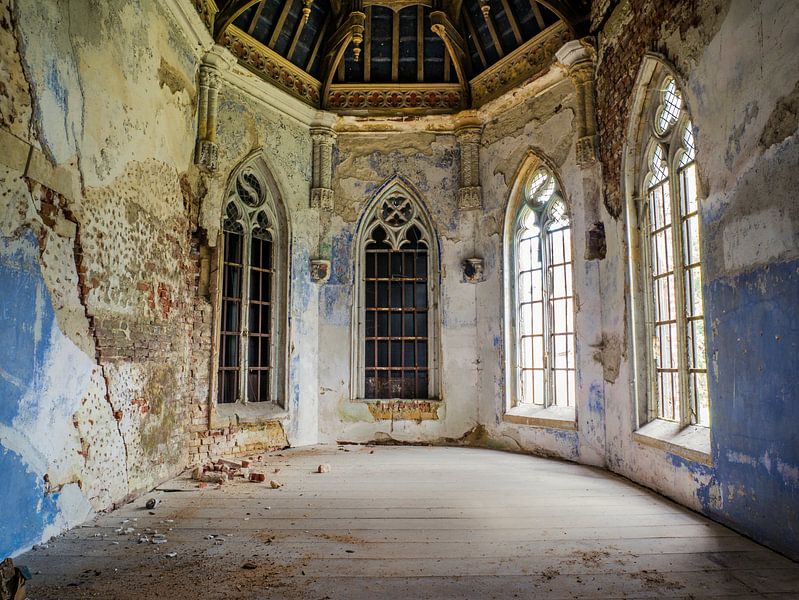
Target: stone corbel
x,y
577,58
323,139
469,130
213,64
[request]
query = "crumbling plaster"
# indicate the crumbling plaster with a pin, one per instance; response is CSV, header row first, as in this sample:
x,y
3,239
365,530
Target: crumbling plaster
x,y
738,66
97,127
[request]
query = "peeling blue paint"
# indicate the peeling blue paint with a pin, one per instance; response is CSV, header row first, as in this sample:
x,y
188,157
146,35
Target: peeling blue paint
x,y
596,400
25,328
25,510
756,403
54,84
341,258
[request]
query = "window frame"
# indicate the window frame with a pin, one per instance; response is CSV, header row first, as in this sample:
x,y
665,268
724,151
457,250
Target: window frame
x,y
544,220
548,414
242,410
683,436
367,223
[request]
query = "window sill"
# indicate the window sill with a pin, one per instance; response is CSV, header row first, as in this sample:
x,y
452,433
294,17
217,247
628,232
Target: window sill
x,y
408,400
554,417
691,442
235,413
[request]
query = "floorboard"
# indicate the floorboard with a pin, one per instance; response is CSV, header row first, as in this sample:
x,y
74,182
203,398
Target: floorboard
x,y
408,522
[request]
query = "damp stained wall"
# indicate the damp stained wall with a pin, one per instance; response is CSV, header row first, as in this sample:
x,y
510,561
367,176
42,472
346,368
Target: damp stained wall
x,y
97,127
368,157
739,66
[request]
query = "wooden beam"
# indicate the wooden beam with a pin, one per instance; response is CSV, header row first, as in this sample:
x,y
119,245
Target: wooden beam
x,y
336,47
538,16
298,27
420,43
280,22
456,51
517,33
395,46
494,37
256,16
229,12
367,47
317,44
475,38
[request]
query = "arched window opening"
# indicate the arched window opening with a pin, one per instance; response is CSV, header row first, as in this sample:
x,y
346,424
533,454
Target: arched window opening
x,y
544,296
249,305
669,222
395,341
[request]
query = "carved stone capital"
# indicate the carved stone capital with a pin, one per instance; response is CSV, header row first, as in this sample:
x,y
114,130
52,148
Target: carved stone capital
x,y
575,53
322,198
323,135
206,155
209,77
587,150
470,198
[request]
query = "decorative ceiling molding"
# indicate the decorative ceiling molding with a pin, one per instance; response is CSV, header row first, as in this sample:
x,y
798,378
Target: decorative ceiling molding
x,y
388,99
271,66
528,60
461,50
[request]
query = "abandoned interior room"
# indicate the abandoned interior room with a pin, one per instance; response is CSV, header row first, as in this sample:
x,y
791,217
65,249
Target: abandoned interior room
x,y
402,299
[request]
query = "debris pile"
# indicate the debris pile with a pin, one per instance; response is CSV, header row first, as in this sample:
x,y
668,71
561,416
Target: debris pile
x,y
223,470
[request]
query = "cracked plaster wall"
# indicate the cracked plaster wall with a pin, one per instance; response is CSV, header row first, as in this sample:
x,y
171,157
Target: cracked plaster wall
x,y
97,126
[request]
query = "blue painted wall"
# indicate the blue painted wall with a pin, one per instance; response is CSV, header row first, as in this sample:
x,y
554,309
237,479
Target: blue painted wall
x,y
755,410
26,326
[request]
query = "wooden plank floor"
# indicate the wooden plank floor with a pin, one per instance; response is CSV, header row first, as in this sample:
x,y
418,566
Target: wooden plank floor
x,y
409,522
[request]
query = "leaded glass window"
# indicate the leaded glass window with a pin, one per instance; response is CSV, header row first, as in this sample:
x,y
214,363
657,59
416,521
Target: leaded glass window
x,y
247,315
544,296
670,222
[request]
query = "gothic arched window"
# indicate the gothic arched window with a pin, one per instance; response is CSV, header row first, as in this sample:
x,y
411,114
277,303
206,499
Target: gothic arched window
x,y
667,209
395,341
249,292
543,296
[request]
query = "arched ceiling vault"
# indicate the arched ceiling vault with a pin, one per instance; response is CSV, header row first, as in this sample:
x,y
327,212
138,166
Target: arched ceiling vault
x,y
395,56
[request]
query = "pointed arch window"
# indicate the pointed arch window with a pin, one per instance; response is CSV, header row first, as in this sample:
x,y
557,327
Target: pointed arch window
x,y
668,215
249,332
395,341
544,296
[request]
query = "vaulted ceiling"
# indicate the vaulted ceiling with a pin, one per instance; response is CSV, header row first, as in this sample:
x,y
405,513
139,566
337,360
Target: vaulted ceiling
x,y
395,55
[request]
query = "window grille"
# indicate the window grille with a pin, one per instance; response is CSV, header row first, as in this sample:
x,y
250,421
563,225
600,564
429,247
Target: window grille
x,y
396,341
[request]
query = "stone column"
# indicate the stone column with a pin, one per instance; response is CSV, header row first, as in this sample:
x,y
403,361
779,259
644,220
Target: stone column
x,y
577,59
212,66
323,138
468,129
